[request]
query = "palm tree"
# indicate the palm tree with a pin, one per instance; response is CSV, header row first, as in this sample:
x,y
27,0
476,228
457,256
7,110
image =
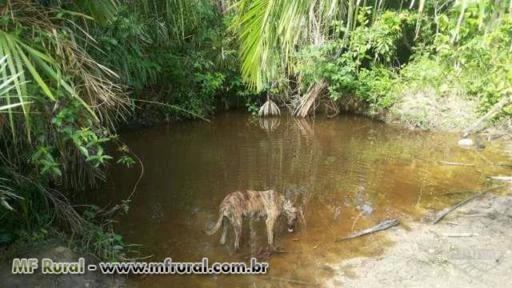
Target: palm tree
x,y
271,30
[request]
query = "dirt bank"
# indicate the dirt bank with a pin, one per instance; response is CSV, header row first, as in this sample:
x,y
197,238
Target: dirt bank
x,y
454,112
470,248
58,254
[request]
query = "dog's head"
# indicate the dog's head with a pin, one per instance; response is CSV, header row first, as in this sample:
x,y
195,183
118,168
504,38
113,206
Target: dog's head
x,y
291,215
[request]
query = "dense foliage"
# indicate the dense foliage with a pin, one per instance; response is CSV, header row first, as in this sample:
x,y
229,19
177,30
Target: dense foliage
x,y
377,51
72,72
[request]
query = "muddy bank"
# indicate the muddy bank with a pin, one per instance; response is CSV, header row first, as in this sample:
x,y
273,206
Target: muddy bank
x,y
470,248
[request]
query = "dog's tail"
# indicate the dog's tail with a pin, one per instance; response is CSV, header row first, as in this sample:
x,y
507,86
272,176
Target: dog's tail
x,y
217,225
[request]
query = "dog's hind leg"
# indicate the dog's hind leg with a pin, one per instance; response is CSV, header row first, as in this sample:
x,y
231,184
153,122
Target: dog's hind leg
x,y
224,232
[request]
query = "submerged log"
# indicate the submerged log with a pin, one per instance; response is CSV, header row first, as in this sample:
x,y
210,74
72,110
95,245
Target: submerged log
x,y
302,110
509,165
379,227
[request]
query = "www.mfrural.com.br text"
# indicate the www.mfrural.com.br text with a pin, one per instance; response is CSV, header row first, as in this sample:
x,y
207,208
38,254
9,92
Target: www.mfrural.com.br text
x,y
167,266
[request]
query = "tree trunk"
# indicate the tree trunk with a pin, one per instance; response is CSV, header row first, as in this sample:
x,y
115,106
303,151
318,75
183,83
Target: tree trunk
x,y
308,100
481,123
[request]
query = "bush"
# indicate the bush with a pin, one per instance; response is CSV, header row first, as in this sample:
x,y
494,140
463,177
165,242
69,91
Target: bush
x,y
364,66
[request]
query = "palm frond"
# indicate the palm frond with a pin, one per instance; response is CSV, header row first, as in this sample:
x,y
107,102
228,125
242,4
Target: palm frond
x,y
270,30
52,61
7,84
100,10
7,194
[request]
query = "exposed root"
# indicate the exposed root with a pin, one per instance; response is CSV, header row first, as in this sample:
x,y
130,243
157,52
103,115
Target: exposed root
x,y
269,109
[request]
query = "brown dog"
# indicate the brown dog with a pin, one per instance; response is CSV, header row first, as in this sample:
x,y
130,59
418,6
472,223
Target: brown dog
x,y
254,204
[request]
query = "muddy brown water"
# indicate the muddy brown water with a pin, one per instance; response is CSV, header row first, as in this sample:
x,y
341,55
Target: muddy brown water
x,y
351,171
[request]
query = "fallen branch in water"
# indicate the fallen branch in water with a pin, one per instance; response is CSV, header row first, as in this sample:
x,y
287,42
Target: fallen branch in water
x,y
443,214
502,178
456,193
379,227
455,163
505,165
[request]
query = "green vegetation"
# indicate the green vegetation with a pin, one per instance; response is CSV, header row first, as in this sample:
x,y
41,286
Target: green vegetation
x,y
382,53
72,72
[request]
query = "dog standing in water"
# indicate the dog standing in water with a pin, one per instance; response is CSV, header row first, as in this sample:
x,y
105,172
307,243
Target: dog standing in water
x,y
253,204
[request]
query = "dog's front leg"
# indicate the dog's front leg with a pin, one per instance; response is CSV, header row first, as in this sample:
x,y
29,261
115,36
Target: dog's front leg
x,y
270,230
237,226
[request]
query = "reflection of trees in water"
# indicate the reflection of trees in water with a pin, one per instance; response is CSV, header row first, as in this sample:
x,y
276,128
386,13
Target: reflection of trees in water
x,y
358,164
291,159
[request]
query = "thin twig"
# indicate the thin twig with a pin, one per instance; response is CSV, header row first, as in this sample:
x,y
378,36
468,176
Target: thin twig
x,y
483,157
421,193
355,220
141,174
456,193
459,234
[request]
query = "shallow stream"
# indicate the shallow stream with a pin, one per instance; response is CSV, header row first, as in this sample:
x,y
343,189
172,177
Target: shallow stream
x,y
351,172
